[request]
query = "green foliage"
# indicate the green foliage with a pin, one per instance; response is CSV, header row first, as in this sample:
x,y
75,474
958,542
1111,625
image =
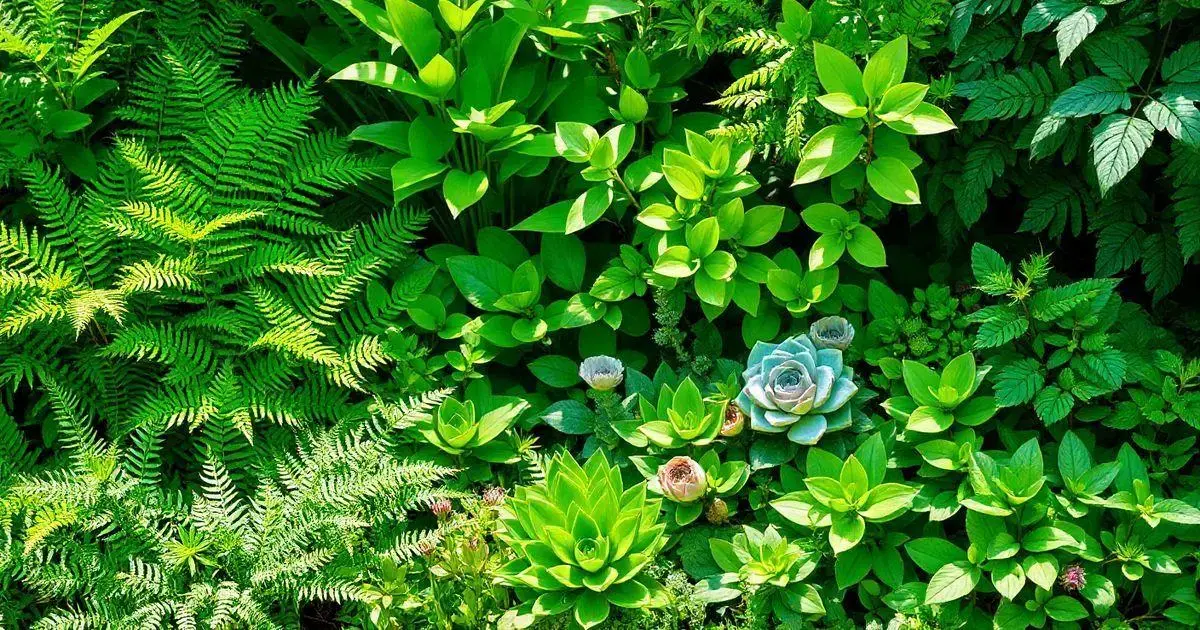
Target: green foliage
x,y
237,393
584,539
1106,91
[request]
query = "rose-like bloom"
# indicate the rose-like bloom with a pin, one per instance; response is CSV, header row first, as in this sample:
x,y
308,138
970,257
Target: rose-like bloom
x,y
831,332
441,508
717,512
734,422
682,479
796,388
602,373
1073,578
494,496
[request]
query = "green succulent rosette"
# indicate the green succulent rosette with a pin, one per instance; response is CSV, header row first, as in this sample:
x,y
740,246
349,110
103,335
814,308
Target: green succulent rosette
x,y
459,427
581,541
796,388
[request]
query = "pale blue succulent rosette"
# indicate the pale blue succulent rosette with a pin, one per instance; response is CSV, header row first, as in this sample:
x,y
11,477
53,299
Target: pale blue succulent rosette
x,y
795,387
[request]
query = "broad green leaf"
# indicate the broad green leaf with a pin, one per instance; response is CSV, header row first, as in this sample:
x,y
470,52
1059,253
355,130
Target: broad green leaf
x,y
589,207
66,121
846,531
826,217
827,152
564,259
555,370
866,248
685,182
1093,95
1118,144
414,26
1063,608
702,237
411,172
458,18
951,582
893,181
1074,460
760,225
676,262
826,251
842,104
838,73
927,119
901,100
851,567
885,68
482,281
461,190
1074,28
438,75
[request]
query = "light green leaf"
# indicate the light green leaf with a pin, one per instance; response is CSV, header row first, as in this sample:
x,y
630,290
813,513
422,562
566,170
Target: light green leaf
x,y
1075,28
893,181
827,152
951,582
842,104
461,190
886,68
865,247
438,75
826,251
760,225
1118,144
901,100
838,73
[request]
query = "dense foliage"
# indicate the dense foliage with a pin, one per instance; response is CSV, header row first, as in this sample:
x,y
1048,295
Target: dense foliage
x,y
711,314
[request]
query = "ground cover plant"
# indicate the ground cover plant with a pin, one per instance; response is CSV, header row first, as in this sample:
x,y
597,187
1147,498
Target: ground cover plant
x,y
631,314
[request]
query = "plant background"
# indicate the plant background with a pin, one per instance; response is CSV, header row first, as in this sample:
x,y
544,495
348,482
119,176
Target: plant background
x,y
250,278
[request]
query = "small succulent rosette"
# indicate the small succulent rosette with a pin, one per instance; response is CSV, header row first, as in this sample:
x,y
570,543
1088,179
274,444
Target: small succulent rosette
x,y
831,332
797,388
602,373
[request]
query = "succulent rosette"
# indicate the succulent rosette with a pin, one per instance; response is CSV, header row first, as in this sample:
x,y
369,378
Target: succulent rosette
x,y
796,388
831,332
582,540
602,373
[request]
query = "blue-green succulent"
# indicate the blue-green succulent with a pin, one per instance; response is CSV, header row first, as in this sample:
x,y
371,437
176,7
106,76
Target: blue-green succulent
x,y
795,387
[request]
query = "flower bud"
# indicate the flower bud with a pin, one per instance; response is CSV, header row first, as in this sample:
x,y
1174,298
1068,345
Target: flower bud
x,y
602,373
441,508
717,512
682,479
494,496
1073,578
734,422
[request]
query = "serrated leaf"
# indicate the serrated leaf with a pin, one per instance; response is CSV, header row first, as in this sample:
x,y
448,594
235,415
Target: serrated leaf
x,y
1118,144
1123,58
1043,14
1003,324
1093,95
1053,404
1183,65
1118,247
1075,28
1177,115
1162,263
1017,383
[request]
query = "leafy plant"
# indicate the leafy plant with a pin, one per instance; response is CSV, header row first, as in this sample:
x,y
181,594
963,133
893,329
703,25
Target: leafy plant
x,y
590,561
845,495
764,566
